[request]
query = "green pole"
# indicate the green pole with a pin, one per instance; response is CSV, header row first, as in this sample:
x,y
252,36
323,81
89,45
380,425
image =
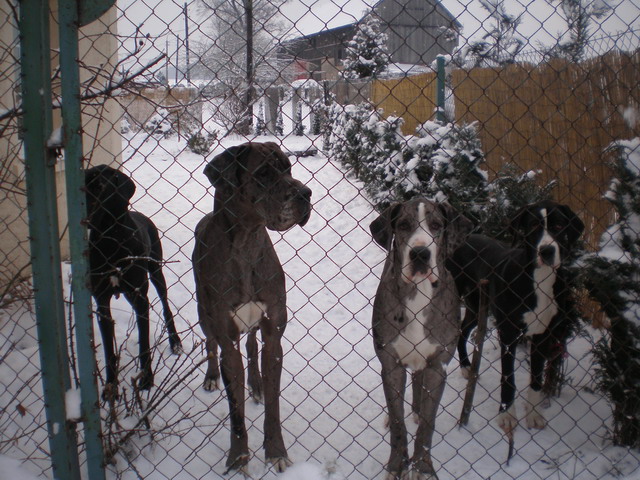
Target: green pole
x,y
72,134
440,116
43,231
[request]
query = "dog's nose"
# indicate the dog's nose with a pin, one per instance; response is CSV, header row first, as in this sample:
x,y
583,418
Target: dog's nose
x,y
420,256
548,254
304,193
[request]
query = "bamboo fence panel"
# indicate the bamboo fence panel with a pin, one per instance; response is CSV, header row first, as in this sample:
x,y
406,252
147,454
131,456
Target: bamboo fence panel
x,y
557,118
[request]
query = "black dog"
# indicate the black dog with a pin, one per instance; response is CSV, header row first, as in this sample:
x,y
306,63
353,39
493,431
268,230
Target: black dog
x,y
528,295
124,252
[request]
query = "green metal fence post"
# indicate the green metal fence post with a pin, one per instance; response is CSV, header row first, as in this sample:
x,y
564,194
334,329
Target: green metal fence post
x,y
72,135
440,116
43,231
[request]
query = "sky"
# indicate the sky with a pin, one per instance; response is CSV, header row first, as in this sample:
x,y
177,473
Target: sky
x,y
163,19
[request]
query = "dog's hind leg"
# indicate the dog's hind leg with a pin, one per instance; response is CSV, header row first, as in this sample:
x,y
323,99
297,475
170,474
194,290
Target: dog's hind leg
x,y
212,377
140,304
160,284
254,380
107,331
472,301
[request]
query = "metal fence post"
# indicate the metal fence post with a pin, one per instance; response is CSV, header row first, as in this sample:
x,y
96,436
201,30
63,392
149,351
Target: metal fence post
x,y
68,13
440,113
43,231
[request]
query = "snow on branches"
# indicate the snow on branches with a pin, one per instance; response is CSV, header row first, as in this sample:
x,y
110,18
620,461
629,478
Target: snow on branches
x,y
612,277
366,54
441,161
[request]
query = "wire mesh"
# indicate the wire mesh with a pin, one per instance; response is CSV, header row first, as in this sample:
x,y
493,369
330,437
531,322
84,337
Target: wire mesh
x,y
533,99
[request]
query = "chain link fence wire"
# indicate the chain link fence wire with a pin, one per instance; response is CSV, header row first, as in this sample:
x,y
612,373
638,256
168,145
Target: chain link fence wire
x,y
535,93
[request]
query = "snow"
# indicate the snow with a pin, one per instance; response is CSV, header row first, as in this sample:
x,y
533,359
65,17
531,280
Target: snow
x,y
332,404
13,469
72,404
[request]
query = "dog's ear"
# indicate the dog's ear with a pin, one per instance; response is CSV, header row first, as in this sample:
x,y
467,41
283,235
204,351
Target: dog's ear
x,y
574,227
457,227
225,169
518,225
382,227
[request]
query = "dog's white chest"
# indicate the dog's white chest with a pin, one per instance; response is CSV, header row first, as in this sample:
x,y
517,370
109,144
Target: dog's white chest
x,y
412,345
247,315
538,320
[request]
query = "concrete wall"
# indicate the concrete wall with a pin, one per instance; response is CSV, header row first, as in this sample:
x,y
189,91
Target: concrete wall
x,y
101,139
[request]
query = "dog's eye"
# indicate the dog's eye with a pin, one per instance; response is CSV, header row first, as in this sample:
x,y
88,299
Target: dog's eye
x,y
262,172
403,225
435,226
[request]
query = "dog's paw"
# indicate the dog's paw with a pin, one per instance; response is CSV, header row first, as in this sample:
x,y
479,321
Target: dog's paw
x,y
239,463
110,393
210,384
395,476
280,464
465,372
507,420
176,349
414,475
534,418
256,396
145,380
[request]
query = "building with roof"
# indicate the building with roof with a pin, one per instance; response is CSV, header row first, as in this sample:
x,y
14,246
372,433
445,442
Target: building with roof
x,y
417,31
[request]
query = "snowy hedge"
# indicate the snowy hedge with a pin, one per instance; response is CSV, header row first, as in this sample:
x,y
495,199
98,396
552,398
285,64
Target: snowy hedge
x,y
612,276
441,161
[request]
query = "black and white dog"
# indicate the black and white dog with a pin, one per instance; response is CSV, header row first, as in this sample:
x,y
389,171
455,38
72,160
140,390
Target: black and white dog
x,y
124,253
528,295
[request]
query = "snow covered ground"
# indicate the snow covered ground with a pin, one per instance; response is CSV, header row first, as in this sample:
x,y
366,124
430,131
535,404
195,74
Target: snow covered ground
x,y
332,402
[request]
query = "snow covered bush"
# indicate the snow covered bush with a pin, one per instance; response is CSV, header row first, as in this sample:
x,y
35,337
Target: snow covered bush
x,y
159,123
612,276
260,127
366,54
298,126
445,160
351,140
200,143
509,192
442,161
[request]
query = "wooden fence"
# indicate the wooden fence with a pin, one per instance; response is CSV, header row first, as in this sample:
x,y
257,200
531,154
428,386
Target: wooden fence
x,y
557,118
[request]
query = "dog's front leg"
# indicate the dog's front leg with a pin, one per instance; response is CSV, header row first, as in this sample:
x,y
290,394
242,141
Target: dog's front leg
x,y
535,396
233,378
140,304
432,384
107,331
275,451
507,419
254,380
394,377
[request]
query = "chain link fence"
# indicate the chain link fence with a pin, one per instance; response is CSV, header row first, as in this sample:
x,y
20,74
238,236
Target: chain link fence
x,y
539,90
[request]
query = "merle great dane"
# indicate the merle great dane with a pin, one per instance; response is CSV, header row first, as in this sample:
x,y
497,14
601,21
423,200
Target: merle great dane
x,y
124,252
240,284
416,320
528,296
